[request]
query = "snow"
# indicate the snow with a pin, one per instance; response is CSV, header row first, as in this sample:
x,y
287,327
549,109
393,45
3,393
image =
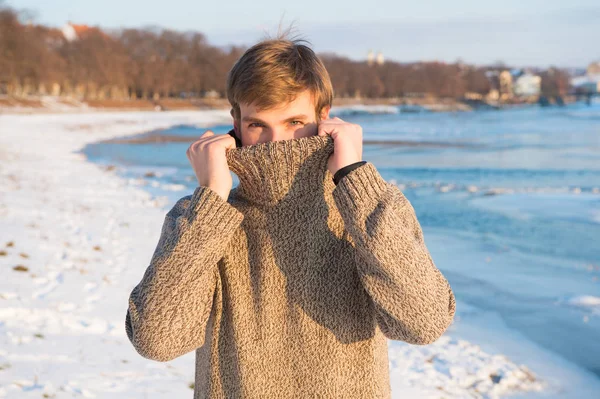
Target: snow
x,y
452,367
76,238
361,109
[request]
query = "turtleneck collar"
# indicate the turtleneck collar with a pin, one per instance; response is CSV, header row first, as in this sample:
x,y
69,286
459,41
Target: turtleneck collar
x,y
290,170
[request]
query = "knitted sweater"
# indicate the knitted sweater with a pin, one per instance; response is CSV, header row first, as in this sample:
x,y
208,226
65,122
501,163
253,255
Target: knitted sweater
x,y
290,287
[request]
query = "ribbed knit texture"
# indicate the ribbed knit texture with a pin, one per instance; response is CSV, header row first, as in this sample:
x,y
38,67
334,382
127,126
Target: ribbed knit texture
x,y
291,287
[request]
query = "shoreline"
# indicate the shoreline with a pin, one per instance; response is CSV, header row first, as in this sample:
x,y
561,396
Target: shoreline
x,y
165,139
83,236
57,105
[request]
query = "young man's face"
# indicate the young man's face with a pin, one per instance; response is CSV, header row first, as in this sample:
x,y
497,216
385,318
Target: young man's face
x,y
291,120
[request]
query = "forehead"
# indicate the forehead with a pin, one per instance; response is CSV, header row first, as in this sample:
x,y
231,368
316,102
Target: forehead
x,y
302,104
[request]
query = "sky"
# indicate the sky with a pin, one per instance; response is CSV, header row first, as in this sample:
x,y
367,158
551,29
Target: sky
x,y
517,32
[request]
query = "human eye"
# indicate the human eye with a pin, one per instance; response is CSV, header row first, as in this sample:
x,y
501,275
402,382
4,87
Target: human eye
x,y
297,123
255,124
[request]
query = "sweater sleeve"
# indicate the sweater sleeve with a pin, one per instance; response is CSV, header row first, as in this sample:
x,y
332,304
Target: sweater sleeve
x,y
169,308
413,300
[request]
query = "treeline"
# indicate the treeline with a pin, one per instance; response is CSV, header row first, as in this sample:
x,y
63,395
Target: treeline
x,y
123,64
153,63
394,79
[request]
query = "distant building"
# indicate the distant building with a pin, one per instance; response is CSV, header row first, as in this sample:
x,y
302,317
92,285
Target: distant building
x,y
370,57
587,84
469,95
493,95
72,32
506,85
528,85
211,94
594,68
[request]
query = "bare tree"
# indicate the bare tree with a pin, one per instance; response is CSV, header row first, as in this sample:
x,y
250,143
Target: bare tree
x,y
157,63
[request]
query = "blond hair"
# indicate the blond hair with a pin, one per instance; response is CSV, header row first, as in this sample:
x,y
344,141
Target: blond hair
x,y
275,71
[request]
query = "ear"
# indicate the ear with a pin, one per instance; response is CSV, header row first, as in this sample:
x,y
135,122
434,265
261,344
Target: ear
x,y
325,112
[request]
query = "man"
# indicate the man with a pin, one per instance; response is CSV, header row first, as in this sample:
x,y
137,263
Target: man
x,y
289,285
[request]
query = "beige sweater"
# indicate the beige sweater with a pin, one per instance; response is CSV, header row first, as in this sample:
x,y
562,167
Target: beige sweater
x,y
290,287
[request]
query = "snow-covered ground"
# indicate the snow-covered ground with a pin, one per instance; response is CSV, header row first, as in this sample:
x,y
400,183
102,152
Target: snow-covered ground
x,y
76,238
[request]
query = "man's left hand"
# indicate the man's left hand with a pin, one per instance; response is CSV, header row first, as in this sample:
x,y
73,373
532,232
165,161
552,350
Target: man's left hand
x,y
347,142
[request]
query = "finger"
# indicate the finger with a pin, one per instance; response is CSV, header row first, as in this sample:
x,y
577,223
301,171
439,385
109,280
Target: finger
x,y
325,129
229,144
321,129
201,139
221,140
227,140
333,122
208,140
204,137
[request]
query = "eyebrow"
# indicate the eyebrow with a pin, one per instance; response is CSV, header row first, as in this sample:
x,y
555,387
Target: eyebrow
x,y
291,118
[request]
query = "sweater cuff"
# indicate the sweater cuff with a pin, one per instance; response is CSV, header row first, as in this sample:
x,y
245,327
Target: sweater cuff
x,y
212,210
345,170
362,187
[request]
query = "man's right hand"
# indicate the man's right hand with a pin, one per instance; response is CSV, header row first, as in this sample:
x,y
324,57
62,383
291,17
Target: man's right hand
x,y
207,157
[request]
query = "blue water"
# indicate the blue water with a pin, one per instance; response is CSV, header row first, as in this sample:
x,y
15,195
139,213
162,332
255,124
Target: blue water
x,y
509,203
